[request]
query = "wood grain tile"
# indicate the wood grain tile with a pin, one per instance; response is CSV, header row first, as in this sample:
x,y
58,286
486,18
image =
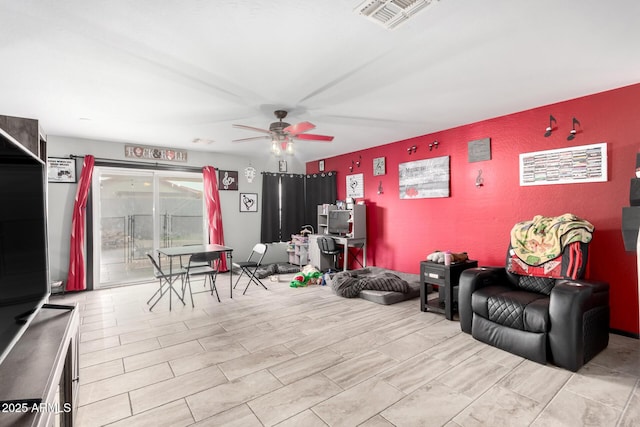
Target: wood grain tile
x,y
357,404
292,399
163,392
173,414
322,360
226,396
123,383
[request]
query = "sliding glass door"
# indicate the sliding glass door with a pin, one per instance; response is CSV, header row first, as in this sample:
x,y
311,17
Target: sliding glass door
x,y
138,211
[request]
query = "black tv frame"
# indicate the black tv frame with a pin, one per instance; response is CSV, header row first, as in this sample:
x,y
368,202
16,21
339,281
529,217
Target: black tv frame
x,y
18,310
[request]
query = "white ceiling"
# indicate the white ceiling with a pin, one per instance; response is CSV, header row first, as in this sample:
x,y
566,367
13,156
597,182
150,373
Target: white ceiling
x,y
164,72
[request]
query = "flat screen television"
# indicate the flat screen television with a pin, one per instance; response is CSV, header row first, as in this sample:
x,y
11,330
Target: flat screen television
x,y
338,222
24,269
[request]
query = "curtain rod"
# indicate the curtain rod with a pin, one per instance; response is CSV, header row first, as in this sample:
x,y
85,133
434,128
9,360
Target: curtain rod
x,y
329,173
146,165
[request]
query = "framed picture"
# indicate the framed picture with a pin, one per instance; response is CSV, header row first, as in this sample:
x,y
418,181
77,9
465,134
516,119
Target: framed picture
x,y
282,166
479,150
61,170
379,166
321,165
355,185
228,180
248,202
571,165
428,178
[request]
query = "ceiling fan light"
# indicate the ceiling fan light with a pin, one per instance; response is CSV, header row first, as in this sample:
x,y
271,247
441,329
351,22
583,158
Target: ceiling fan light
x,y
282,134
275,148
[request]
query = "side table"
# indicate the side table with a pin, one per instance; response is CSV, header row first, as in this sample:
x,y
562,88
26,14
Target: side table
x,y
446,277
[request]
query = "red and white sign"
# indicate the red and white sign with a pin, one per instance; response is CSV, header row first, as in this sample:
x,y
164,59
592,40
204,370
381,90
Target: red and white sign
x,y
155,153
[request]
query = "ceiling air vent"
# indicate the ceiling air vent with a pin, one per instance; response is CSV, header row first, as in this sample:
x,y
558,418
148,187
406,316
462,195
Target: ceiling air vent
x,y
390,13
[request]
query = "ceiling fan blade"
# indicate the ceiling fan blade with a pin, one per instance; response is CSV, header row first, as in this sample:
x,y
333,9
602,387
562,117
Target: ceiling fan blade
x,y
312,137
251,128
253,138
299,128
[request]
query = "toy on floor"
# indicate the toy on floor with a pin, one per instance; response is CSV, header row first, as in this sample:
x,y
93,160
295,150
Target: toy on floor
x,y
438,256
308,276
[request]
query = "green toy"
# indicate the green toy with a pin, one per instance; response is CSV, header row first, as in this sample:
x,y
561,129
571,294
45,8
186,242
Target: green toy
x,y
303,279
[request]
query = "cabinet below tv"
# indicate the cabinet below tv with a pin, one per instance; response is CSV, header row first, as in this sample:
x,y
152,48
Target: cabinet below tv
x,y
39,376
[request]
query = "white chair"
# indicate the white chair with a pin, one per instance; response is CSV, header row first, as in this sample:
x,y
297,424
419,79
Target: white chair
x,y
251,265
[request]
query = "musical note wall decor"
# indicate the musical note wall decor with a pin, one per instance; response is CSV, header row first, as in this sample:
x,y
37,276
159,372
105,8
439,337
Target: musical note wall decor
x,y
355,185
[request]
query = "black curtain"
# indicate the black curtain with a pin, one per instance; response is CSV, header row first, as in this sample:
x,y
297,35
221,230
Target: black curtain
x,y
270,225
293,207
300,196
320,189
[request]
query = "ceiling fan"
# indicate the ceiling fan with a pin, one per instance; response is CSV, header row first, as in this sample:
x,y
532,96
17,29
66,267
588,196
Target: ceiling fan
x,y
282,133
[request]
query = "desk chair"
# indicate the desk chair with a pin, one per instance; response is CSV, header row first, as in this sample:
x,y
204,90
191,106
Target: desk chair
x,y
250,266
328,247
202,265
167,279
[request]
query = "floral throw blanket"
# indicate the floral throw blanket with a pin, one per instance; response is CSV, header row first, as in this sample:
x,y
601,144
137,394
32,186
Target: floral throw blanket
x,y
544,238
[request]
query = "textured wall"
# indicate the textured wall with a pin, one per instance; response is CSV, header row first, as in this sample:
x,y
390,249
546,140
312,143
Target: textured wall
x,y
478,220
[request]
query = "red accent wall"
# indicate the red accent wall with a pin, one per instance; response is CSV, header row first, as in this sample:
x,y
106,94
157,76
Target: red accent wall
x,y
478,220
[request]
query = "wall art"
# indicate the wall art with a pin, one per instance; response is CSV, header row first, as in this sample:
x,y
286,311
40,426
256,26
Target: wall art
x,y
355,186
250,173
586,163
155,153
479,150
227,180
61,170
379,166
422,179
248,202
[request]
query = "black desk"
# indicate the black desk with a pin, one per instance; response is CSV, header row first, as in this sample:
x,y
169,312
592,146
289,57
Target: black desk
x,y
446,277
178,251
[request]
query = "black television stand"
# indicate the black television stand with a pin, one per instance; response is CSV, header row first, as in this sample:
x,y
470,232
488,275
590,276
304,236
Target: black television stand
x,y
22,317
42,365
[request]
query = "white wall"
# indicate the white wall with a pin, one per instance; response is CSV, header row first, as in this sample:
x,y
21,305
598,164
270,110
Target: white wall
x,y
241,230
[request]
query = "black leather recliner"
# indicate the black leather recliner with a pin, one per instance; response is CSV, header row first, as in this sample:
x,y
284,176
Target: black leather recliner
x,y
542,319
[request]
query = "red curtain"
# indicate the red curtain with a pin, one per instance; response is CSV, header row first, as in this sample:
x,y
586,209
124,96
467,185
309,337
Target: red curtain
x,y
77,280
214,215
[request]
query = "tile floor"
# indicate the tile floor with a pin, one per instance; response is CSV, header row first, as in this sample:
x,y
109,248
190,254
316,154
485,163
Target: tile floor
x,y
304,357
